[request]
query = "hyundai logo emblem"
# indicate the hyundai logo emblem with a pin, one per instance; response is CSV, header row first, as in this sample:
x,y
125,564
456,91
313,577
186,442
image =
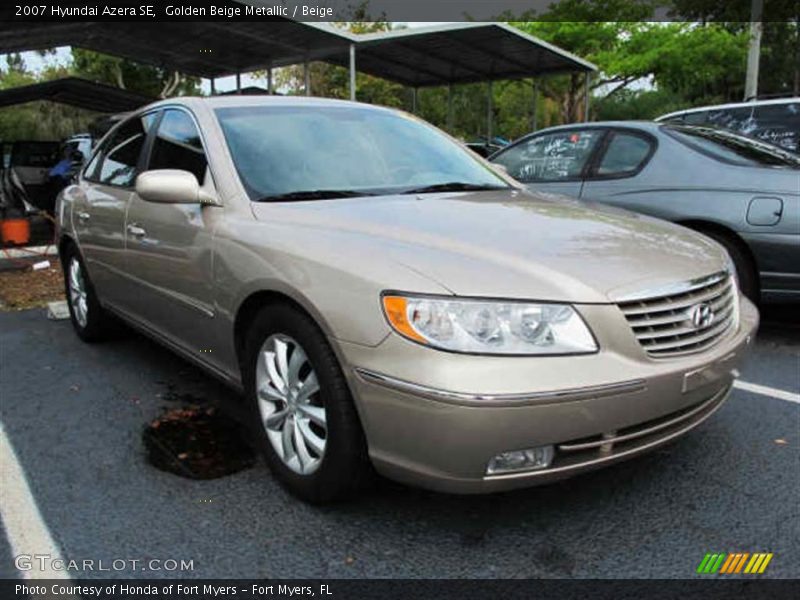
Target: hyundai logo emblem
x,y
701,315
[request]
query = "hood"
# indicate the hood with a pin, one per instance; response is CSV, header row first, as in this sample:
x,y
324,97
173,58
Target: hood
x,y
511,244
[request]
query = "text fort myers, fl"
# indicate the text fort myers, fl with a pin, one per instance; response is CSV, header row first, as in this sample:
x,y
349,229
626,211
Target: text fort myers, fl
x,y
188,10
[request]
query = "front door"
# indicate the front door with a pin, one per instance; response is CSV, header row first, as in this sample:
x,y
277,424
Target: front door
x,y
170,246
619,174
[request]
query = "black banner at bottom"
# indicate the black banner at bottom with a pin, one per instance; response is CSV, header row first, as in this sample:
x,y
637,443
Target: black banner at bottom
x,y
391,589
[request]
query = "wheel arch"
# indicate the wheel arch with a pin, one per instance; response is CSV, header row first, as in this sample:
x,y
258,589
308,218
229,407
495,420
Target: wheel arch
x,y
703,225
257,299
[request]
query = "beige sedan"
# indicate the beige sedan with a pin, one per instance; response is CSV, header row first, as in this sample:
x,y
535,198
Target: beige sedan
x,y
384,298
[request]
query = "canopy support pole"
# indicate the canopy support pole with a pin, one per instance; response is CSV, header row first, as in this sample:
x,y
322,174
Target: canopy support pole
x,y
306,78
754,50
450,107
213,86
489,113
352,72
269,81
238,83
586,82
535,116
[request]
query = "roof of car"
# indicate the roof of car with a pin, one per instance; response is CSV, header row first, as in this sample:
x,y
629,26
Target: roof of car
x,y
643,125
258,100
732,105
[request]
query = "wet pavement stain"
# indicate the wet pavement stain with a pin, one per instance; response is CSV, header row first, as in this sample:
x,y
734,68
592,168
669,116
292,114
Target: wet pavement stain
x,y
197,442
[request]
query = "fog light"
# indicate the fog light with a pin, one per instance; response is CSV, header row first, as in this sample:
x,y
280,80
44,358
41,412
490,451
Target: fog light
x,y
521,460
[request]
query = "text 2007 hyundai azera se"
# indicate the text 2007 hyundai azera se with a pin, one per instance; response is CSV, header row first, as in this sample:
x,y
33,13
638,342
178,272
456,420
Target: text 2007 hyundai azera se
x,y
384,297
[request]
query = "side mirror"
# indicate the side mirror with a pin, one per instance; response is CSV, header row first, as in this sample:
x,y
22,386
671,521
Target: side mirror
x,y
172,186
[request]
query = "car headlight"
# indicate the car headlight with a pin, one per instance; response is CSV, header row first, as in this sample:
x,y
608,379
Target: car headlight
x,y
489,326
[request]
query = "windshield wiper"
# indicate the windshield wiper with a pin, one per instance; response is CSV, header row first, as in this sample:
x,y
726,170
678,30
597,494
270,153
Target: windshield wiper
x,y
313,195
454,186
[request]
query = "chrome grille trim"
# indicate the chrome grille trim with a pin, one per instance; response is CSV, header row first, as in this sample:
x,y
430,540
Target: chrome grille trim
x,y
663,324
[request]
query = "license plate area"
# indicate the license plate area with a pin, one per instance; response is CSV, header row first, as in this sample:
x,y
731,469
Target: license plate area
x,y
708,374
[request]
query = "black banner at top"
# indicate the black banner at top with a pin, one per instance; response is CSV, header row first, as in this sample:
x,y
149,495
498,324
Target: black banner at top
x,y
390,10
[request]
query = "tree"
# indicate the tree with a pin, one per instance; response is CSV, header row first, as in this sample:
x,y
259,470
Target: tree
x,y
780,43
129,75
38,120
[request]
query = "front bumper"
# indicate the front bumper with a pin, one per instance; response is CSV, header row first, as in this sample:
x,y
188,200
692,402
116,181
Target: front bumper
x,y
435,419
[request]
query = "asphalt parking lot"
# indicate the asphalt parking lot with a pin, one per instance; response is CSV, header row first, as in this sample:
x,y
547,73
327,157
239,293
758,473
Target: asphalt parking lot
x,y
74,414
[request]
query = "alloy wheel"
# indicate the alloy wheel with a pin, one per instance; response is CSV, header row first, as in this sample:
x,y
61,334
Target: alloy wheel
x,y
77,292
287,391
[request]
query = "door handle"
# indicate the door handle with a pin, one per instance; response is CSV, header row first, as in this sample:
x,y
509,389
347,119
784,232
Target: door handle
x,y
84,216
136,231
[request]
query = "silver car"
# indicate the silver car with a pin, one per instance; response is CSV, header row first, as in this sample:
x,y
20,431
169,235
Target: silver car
x,y
743,193
383,298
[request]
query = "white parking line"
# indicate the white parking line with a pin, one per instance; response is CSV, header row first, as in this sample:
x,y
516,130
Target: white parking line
x,y
767,391
26,530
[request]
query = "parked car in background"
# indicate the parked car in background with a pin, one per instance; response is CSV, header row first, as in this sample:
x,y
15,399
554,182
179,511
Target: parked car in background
x,y
381,294
25,179
776,121
742,192
32,160
486,148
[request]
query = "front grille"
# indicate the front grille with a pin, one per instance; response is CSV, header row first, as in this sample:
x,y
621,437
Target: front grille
x,y
668,324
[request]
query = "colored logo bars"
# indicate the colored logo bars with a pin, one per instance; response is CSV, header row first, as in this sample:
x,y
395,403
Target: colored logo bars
x,y
740,562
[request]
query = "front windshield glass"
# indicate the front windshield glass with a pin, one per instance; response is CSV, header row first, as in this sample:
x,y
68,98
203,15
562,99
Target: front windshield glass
x,y
733,148
313,152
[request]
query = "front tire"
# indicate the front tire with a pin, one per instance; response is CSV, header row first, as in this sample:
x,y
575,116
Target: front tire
x,y
304,418
91,322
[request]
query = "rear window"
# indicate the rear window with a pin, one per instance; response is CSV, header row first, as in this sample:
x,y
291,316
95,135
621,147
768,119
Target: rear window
x,y
778,124
731,148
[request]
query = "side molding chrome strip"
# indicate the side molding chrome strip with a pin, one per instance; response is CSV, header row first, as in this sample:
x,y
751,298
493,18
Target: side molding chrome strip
x,y
548,397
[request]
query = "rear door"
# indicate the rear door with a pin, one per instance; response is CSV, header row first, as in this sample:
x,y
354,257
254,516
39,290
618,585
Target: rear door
x,y
99,216
554,162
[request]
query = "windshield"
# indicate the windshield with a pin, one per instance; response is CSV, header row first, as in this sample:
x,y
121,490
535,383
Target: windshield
x,y
307,153
732,148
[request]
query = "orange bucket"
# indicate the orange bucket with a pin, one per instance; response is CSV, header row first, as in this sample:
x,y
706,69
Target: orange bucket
x,y
15,231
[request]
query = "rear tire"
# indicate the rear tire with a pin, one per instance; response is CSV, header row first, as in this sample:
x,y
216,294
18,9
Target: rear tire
x,y
303,416
746,271
91,321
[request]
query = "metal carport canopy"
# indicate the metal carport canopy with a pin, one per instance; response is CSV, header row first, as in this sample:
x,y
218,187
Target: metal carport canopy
x,y
76,92
199,48
459,53
417,57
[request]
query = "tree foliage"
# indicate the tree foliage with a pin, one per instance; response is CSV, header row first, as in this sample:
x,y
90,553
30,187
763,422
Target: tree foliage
x,y
151,81
37,120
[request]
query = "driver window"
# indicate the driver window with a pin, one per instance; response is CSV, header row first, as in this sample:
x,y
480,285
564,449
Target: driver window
x,y
557,156
178,146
